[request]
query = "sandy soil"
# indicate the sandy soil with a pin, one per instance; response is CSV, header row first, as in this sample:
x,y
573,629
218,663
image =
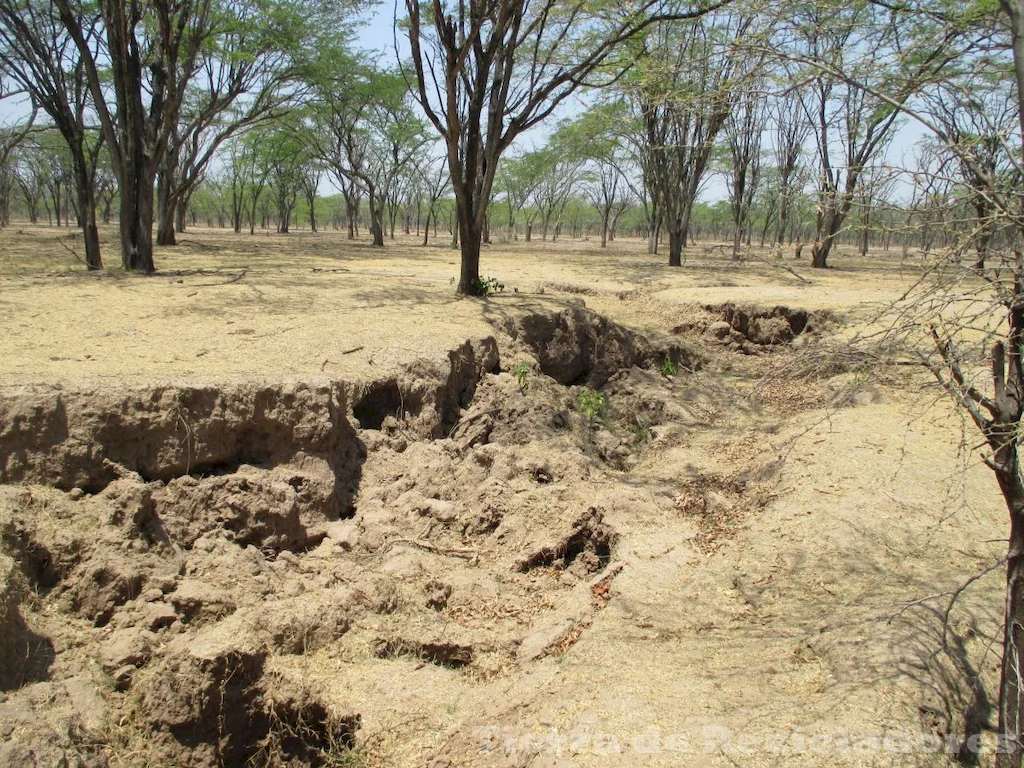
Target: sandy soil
x,y
720,569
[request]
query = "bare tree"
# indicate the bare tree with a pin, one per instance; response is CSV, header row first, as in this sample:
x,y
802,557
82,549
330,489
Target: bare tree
x,y
852,125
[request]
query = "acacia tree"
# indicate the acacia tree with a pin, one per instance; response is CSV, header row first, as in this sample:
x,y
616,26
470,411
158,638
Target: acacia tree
x,y
987,43
148,52
790,129
683,92
516,180
854,53
743,137
976,117
560,169
245,75
434,176
485,71
38,53
11,137
363,129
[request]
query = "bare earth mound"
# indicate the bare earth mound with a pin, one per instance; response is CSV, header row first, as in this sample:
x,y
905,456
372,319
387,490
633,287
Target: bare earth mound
x,y
585,523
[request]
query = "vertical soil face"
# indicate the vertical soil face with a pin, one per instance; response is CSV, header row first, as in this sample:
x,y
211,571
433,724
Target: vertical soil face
x,y
181,542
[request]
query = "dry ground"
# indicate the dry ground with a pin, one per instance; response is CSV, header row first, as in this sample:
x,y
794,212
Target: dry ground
x,y
769,533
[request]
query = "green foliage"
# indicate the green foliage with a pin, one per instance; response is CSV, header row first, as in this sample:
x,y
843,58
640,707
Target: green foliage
x,y
668,368
485,286
591,403
521,372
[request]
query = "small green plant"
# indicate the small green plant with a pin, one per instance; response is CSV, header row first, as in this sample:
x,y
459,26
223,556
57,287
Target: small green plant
x,y
668,368
591,403
521,372
485,286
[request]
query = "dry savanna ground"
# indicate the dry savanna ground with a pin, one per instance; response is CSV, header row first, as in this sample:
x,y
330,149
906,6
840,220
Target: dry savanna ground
x,y
291,501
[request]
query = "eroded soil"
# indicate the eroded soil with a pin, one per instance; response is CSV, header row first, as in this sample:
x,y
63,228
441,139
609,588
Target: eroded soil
x,y
615,517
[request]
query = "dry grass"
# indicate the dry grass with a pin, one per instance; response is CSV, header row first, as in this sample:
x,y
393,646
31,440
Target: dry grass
x,y
224,305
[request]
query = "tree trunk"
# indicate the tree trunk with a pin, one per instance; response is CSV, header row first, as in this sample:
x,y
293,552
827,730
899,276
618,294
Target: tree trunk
x,y
675,248
376,221
469,275
87,220
165,204
136,224
819,254
1011,686
180,214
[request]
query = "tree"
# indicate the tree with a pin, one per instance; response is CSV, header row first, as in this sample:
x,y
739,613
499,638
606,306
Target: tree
x,y
363,129
988,44
487,70
42,57
743,136
560,170
11,137
683,91
847,47
149,50
976,116
251,57
790,130
436,185
594,137
516,179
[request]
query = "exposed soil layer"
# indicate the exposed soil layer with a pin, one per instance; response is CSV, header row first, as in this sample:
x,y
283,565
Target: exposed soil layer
x,y
181,542
752,329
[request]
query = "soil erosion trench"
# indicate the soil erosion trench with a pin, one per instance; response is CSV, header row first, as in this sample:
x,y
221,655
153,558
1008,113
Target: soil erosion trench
x,y
165,550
